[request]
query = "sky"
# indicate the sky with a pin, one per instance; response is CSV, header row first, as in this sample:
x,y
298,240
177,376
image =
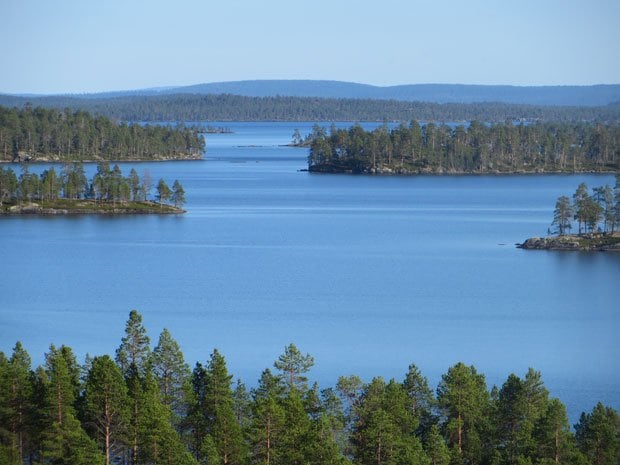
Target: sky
x,y
76,46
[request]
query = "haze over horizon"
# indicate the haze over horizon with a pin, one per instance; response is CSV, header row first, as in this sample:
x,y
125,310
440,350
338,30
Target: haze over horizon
x,y
81,47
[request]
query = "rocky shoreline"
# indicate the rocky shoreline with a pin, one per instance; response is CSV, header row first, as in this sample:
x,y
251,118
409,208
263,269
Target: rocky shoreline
x,y
586,242
89,207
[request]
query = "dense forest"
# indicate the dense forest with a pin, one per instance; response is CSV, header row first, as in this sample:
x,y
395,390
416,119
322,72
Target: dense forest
x,y
145,406
227,107
108,185
41,134
477,148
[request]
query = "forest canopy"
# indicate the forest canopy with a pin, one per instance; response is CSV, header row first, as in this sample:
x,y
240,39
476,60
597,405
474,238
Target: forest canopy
x,y
476,148
40,134
144,405
228,107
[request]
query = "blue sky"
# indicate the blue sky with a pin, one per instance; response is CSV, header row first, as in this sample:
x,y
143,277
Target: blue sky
x,y
53,46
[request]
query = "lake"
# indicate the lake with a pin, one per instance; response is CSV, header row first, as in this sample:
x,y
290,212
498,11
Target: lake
x,y
367,274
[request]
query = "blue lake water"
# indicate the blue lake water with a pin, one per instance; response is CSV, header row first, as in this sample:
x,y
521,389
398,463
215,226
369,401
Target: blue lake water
x,y
367,274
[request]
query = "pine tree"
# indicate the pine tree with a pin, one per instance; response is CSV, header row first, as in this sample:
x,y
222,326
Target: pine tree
x,y
598,435
267,421
107,406
172,374
555,444
63,439
562,215
178,194
463,399
134,349
163,192
292,365
159,442
436,449
420,396
219,411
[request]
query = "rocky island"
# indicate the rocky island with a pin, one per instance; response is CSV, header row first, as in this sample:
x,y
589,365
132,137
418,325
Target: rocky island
x,y
573,242
88,207
598,221
71,193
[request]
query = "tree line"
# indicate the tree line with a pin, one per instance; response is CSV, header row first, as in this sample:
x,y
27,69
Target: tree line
x,y
51,134
107,185
228,107
145,406
477,148
599,211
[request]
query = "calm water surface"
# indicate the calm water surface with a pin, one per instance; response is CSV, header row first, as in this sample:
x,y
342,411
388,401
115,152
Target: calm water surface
x,y
368,274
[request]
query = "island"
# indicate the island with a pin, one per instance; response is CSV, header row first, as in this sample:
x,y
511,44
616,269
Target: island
x,y
49,135
574,242
597,216
71,193
476,148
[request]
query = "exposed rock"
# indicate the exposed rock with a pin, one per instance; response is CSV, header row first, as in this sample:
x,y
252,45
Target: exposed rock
x,y
586,242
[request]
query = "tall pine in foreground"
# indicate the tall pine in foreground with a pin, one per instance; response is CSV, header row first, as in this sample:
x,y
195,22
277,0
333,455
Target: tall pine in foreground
x,y
63,441
107,407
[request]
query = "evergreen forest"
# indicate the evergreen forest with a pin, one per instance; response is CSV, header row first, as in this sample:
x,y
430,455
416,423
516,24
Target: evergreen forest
x,y
144,405
228,107
41,134
107,186
598,211
477,148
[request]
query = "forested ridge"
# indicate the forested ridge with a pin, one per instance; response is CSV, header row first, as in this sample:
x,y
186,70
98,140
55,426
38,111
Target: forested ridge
x,y
145,406
39,134
228,107
477,148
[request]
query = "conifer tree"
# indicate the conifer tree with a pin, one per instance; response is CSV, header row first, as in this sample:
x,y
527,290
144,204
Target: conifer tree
x,y
463,399
554,442
159,442
267,421
172,374
63,439
107,406
178,194
134,349
598,435
292,365
436,449
163,192
219,411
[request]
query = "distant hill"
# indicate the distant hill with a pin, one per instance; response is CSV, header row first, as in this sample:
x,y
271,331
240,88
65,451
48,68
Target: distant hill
x,y
596,95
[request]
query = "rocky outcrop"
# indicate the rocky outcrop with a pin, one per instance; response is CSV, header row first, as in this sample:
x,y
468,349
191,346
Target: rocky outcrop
x,y
83,207
586,242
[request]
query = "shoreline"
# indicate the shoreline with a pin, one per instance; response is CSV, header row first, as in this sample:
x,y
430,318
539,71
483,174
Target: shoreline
x,y
66,207
592,242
